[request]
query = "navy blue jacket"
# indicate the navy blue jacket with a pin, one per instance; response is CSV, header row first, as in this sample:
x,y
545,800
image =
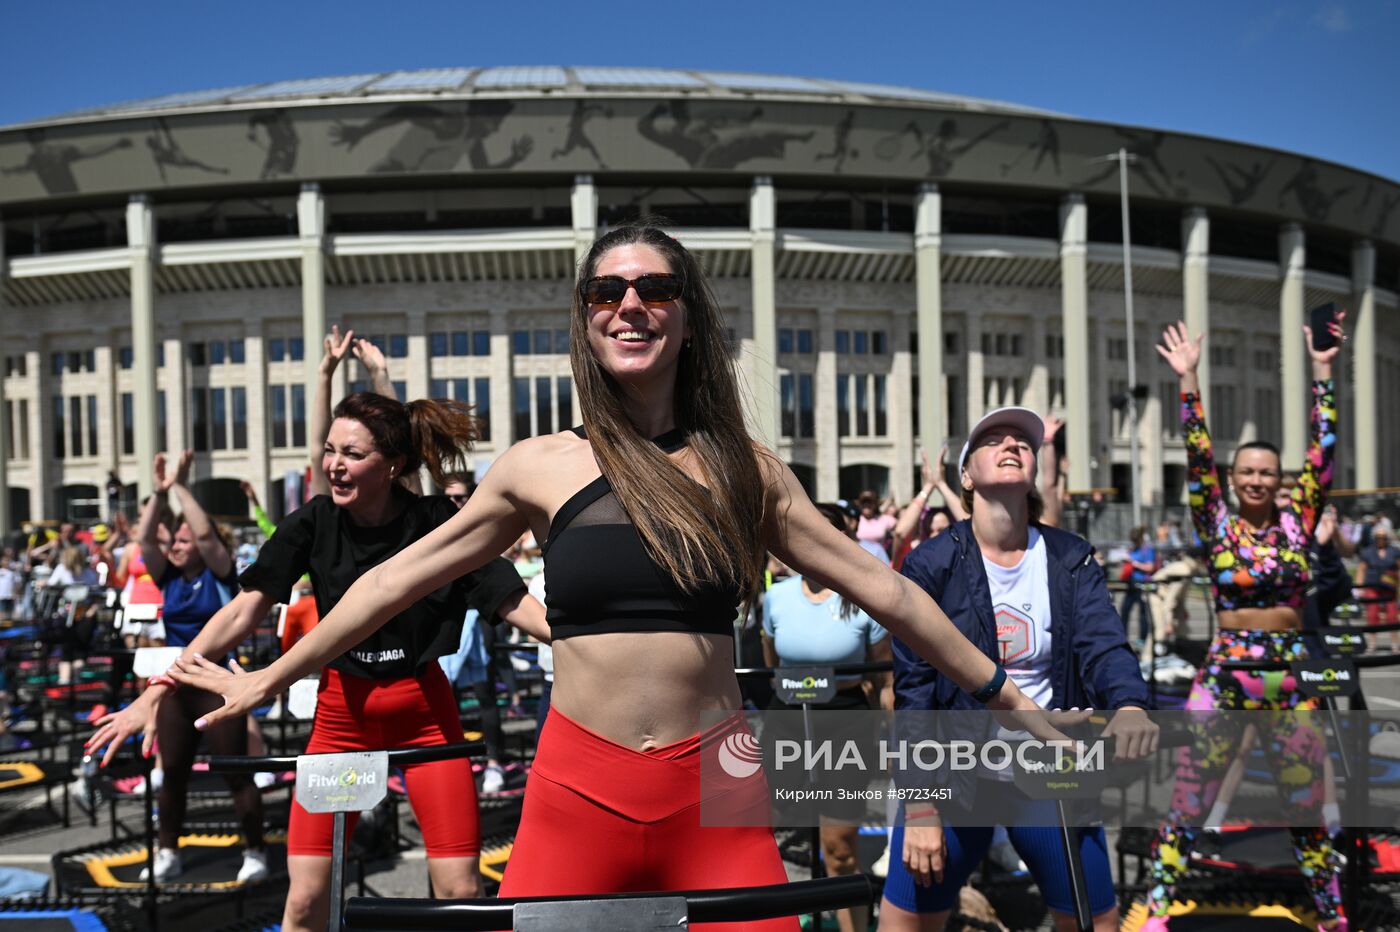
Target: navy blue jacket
x,y
1091,665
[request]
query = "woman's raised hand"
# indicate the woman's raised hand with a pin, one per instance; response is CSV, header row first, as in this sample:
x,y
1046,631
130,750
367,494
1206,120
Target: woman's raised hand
x,y
1326,357
1181,352
369,355
336,347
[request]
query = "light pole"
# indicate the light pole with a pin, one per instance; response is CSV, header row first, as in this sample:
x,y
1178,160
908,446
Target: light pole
x,y
1124,158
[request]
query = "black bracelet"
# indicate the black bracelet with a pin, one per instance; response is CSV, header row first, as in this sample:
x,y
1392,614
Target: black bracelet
x,y
989,691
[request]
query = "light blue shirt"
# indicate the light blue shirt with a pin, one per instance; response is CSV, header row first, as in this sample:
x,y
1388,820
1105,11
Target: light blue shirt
x,y
814,633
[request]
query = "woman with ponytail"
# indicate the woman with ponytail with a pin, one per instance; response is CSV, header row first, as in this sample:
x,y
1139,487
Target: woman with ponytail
x,y
655,515
386,689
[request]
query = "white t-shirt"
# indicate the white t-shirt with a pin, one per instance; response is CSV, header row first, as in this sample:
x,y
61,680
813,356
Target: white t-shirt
x,y
1021,608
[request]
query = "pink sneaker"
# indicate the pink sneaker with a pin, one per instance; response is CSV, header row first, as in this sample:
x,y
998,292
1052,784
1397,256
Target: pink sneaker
x,y
1154,924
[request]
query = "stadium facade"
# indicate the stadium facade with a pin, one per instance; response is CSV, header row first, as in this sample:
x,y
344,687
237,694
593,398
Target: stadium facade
x,y
893,261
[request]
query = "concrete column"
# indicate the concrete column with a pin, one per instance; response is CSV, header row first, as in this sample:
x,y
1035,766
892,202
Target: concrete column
x,y
419,364
311,227
583,205
259,423
1038,387
928,274
177,399
1195,288
1074,292
763,363
40,431
900,409
502,398
824,401
1365,366
141,241
976,370
108,440
5,517
1292,353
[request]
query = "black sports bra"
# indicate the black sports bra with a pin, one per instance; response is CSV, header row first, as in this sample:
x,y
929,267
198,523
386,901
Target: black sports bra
x,y
599,577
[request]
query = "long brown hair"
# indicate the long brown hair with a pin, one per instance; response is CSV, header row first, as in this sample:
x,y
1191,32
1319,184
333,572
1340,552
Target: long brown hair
x,y
694,535
437,433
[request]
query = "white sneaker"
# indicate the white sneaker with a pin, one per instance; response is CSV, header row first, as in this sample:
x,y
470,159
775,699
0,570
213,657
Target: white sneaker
x,y
1004,855
254,866
881,867
264,778
157,778
168,866
493,779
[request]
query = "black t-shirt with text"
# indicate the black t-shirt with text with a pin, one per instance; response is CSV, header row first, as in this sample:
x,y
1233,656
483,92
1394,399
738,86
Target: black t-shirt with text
x,y
320,538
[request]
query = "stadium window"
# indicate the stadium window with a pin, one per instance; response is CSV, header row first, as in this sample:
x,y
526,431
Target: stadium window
x,y
75,425
199,419
882,422
398,346
785,340
236,354
1001,344
60,437
218,420
561,342
196,354
216,352
160,416
787,402
124,357
92,425
541,348
986,344
804,341
860,342
296,349
298,415
276,352
878,344
564,399
481,397
520,346
843,341
520,389
437,388
862,406
843,406
481,343
238,415
437,344
806,406
56,364
950,343
277,398
128,405
461,343
160,355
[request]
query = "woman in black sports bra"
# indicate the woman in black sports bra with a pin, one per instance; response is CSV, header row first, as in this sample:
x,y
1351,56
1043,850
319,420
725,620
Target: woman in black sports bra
x,y
656,521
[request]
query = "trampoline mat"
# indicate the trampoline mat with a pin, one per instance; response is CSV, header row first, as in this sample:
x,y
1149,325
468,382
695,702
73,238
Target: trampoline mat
x,y
1193,916
66,920
211,862
18,775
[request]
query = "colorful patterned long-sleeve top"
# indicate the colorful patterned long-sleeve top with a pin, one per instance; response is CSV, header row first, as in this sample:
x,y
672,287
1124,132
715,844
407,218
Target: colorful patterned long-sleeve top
x,y
1269,567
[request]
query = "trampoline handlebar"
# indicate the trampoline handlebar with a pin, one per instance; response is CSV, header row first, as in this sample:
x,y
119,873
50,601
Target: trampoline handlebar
x,y
840,669
397,758
735,904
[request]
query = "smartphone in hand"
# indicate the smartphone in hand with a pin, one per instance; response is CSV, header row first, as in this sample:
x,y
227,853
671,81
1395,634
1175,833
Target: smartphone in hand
x,y
1321,320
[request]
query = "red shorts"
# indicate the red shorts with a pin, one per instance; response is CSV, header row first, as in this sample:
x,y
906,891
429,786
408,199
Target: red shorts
x,y
355,714
601,817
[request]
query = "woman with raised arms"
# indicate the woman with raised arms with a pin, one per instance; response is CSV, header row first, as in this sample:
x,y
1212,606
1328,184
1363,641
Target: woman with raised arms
x,y
656,516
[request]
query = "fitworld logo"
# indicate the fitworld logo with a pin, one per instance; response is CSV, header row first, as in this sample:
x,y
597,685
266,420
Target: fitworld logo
x,y
740,755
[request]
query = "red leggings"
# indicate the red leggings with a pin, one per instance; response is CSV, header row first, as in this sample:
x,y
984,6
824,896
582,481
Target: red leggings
x,y
355,714
600,817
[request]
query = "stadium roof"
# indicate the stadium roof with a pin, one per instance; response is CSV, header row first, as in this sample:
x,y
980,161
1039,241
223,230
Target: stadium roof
x,y
543,80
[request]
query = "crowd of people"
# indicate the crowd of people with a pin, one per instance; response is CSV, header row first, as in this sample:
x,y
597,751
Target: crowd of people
x,y
658,523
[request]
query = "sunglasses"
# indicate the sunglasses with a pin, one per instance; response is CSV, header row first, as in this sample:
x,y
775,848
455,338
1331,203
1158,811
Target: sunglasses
x,y
652,289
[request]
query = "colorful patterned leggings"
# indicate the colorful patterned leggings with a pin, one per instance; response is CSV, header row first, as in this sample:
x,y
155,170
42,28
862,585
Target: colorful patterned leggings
x,y
1294,745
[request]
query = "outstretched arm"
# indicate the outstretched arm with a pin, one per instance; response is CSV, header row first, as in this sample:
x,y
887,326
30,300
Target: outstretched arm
x,y
908,524
1316,478
951,498
1208,507
1049,467
485,527
206,536
147,530
799,535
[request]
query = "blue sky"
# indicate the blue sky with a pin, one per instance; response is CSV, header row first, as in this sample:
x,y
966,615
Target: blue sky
x,y
1320,77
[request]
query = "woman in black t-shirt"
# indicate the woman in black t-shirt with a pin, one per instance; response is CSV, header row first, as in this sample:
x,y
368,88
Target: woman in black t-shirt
x,y
388,690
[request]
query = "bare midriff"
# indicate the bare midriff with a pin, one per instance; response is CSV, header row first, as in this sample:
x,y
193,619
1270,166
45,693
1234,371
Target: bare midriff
x,y
644,689
1278,618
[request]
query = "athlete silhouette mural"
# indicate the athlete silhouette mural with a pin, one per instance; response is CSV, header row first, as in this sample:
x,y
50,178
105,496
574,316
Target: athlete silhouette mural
x,y
715,137
1241,184
940,147
1046,143
577,138
438,137
1307,190
841,145
52,162
282,144
166,152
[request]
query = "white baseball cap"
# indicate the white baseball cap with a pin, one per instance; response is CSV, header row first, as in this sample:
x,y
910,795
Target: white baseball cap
x,y
1025,420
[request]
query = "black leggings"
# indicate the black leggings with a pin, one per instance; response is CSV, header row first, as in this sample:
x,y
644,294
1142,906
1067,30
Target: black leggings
x,y
485,692
178,742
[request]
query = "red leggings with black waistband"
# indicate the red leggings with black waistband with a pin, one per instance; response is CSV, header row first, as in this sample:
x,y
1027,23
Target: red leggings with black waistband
x,y
601,817
354,714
